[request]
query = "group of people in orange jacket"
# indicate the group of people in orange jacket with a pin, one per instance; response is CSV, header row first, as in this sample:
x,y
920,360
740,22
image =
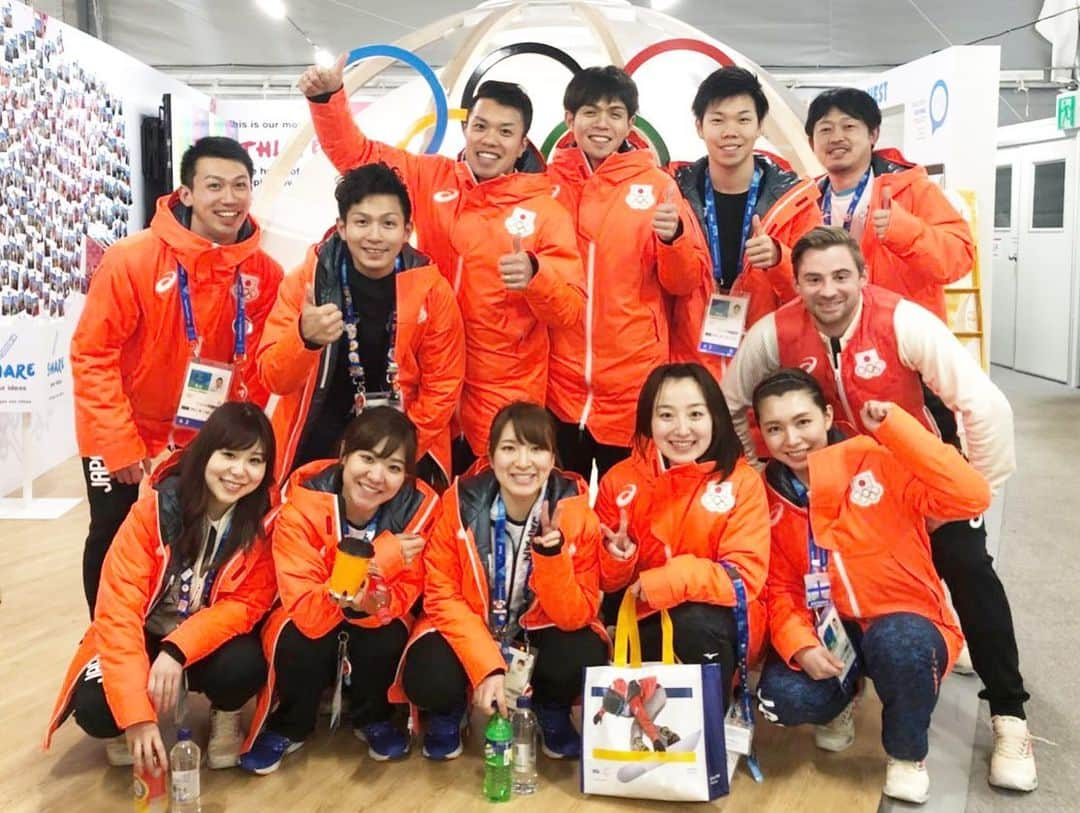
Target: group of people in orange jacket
x,y
446,404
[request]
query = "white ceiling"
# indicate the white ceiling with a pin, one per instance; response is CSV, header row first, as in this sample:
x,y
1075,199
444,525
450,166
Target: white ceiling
x,y
226,37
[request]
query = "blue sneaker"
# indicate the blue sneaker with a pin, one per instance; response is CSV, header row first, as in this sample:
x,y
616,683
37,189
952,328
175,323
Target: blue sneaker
x,y
384,740
267,752
442,735
559,737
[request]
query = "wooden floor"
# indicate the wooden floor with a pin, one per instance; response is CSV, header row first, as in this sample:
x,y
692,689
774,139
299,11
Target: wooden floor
x,y
43,615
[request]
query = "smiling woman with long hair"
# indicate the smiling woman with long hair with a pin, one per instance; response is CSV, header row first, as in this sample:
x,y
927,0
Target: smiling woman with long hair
x,y
185,581
684,505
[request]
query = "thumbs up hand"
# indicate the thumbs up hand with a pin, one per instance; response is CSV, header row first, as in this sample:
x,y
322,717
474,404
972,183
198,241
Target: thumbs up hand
x,y
320,324
516,268
883,216
761,250
316,81
666,217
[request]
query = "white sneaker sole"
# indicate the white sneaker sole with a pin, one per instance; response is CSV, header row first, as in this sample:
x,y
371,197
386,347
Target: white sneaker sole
x,y
832,746
296,746
220,762
915,800
452,755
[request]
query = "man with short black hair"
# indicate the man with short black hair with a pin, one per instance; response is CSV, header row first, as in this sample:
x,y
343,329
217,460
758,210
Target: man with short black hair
x,y
169,310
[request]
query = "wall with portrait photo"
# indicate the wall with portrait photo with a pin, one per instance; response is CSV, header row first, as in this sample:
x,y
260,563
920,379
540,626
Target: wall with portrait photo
x,y
70,183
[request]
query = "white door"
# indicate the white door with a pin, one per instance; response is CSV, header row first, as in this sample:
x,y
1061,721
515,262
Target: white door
x,y
1004,264
1044,278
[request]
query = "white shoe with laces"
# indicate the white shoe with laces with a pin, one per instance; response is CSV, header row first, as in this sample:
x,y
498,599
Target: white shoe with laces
x,y
226,739
1012,765
839,734
117,752
907,781
963,665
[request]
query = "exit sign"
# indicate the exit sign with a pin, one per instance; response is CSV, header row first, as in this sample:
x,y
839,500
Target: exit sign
x,y
1068,116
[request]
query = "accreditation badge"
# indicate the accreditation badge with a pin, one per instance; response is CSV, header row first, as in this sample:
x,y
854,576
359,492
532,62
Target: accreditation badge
x,y
519,669
206,387
724,324
835,639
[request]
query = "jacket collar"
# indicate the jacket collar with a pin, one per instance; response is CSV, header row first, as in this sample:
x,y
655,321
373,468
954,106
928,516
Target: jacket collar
x,y
777,178
172,225
321,482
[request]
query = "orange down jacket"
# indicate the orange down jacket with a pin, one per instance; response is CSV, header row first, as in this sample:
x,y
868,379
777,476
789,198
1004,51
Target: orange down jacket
x,y
307,532
787,206
599,364
466,225
685,520
565,586
429,351
129,352
928,243
135,576
868,507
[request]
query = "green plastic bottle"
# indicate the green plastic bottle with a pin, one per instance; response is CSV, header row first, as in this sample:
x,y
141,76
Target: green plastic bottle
x,y
498,739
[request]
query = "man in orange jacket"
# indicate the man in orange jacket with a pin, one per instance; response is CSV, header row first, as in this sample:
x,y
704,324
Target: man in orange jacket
x,y
159,324
640,245
490,223
913,239
364,291
752,207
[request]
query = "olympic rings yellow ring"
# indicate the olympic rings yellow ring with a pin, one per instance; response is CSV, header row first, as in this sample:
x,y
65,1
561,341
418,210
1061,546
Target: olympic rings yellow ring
x,y
422,123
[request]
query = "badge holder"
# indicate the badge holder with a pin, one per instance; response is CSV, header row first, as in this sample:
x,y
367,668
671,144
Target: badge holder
x,y
835,639
724,324
519,669
206,387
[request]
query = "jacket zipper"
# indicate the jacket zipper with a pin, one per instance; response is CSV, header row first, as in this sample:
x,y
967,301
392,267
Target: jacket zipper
x,y
589,303
839,560
471,550
457,275
837,375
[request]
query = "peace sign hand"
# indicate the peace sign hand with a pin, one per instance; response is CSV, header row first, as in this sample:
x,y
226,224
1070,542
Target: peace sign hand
x,y
619,543
550,536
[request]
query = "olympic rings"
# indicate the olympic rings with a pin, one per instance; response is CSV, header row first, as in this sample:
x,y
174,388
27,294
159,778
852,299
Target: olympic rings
x,y
421,67
507,51
425,121
679,44
663,156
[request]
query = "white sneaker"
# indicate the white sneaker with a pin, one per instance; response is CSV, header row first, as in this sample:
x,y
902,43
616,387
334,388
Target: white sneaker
x,y
963,665
226,739
907,781
839,734
117,752
1012,765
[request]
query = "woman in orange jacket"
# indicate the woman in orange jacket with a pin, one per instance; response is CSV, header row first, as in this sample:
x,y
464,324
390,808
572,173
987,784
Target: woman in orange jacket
x,y
511,565
364,286
852,588
316,638
187,578
688,514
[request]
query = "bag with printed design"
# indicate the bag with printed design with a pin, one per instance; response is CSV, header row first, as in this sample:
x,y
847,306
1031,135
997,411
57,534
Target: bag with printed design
x,y
654,730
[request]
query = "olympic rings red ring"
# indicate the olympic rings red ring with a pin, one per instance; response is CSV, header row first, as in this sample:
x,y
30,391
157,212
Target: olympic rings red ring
x,y
680,44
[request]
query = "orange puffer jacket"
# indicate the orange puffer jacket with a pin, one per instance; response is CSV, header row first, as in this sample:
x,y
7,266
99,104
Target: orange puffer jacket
x,y
466,225
129,352
598,366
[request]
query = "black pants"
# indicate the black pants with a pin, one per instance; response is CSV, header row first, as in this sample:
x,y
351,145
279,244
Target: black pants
x,y
305,666
961,559
704,633
578,448
109,502
436,681
461,455
229,676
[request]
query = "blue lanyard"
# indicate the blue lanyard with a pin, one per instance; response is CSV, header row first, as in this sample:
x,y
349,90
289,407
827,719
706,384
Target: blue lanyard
x,y
819,557
742,628
712,226
856,196
356,367
239,324
500,609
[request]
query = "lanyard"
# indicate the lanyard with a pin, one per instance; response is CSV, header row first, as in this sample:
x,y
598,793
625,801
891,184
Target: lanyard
x,y
712,226
742,627
239,324
819,557
500,603
193,585
356,368
856,196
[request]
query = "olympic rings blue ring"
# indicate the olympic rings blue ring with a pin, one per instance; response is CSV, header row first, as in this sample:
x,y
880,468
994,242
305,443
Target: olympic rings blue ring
x,y
442,115
507,51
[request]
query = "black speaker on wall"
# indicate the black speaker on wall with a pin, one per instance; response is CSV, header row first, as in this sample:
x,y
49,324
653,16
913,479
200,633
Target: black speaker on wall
x,y
157,162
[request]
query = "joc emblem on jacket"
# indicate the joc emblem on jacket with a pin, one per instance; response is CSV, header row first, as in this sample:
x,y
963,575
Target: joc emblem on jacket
x,y
640,196
521,222
868,364
250,283
719,498
865,490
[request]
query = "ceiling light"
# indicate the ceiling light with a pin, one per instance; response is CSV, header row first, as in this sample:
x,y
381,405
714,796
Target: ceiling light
x,y
663,5
272,8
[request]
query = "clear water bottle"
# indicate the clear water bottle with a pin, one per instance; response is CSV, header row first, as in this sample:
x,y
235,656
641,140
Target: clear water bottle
x,y
184,762
498,738
526,741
